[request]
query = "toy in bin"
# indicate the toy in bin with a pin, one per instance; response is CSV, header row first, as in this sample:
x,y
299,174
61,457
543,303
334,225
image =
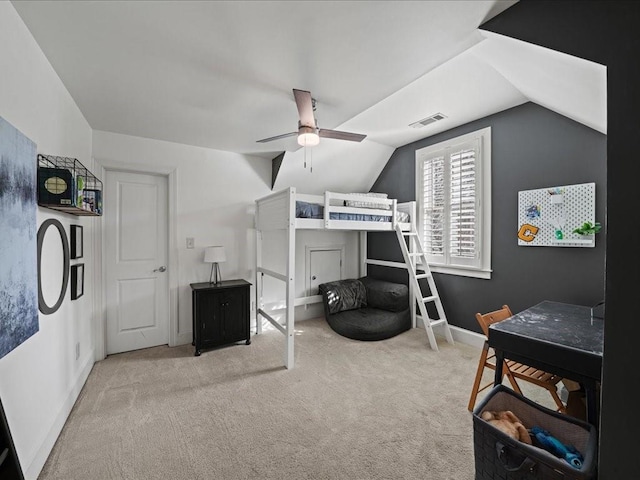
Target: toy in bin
x,y
555,446
510,424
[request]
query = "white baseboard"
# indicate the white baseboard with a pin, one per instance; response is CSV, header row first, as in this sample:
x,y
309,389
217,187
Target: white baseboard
x,y
461,335
183,338
467,337
40,458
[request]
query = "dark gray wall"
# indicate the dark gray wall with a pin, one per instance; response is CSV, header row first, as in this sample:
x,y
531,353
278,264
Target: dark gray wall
x,y
532,147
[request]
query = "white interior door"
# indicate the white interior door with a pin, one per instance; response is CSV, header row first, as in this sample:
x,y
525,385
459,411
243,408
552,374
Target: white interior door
x,y
324,266
137,283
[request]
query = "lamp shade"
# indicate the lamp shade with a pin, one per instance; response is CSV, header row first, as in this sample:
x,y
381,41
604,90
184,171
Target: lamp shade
x,y
215,254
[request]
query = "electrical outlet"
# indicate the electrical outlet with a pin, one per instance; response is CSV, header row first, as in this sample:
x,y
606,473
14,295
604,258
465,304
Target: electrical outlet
x,y
77,350
190,242
253,305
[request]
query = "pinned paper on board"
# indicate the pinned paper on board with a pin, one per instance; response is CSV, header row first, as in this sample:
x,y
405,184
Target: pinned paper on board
x,y
548,216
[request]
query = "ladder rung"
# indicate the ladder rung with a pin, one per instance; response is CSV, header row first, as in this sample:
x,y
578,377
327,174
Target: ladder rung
x,y
410,234
430,299
432,323
423,275
435,323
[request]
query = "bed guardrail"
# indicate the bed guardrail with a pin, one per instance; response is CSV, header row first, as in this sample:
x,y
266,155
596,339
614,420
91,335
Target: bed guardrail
x,y
273,211
334,202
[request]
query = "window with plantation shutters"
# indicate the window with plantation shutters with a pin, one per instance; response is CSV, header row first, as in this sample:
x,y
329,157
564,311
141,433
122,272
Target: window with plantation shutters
x,y
453,194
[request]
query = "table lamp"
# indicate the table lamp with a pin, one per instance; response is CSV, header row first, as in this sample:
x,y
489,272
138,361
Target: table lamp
x,y
214,255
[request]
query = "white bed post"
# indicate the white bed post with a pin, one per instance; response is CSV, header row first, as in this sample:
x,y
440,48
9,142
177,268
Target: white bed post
x,y
291,284
363,254
259,279
412,290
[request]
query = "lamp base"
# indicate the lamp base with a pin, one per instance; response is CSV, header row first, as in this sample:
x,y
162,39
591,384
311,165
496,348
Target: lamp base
x,y
215,267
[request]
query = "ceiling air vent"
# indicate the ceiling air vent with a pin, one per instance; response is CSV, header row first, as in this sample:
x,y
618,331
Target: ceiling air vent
x,y
426,121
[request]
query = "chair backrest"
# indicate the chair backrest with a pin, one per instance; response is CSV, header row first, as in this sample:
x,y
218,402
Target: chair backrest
x,y
493,317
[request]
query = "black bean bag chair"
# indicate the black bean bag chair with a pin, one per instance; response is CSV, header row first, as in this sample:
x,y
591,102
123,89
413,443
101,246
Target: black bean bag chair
x,y
366,308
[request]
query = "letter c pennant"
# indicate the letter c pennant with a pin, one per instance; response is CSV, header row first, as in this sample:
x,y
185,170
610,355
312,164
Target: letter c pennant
x,y
527,232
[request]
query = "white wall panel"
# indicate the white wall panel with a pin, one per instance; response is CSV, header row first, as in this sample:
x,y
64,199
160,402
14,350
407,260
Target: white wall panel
x,y
40,380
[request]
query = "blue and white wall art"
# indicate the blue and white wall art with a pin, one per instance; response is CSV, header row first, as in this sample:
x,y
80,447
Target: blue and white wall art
x,y
18,237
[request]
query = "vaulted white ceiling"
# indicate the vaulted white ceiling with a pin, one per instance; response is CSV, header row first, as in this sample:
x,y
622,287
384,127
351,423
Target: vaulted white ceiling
x,y
220,74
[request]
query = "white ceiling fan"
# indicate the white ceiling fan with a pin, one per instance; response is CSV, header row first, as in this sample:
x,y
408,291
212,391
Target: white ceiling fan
x,y
308,132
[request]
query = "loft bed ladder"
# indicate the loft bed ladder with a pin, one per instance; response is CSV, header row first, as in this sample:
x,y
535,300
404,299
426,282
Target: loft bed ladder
x,y
415,259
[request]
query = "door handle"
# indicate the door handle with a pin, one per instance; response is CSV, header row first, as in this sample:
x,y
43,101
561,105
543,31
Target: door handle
x,y
161,269
313,278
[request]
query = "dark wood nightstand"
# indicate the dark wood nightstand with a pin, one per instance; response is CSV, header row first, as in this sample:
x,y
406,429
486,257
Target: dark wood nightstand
x,y
220,313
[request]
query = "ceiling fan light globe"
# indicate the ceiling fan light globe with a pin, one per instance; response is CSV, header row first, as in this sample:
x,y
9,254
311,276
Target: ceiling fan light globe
x,y
308,139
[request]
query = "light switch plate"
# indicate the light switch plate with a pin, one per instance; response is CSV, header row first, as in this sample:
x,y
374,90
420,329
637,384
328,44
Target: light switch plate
x,y
190,242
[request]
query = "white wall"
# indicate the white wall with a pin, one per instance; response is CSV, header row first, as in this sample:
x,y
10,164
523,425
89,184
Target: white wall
x,y
40,380
215,198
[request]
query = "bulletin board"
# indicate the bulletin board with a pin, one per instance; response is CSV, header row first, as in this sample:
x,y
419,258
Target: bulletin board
x,y
548,216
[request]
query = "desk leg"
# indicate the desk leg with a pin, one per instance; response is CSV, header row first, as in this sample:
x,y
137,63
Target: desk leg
x,y
499,363
591,395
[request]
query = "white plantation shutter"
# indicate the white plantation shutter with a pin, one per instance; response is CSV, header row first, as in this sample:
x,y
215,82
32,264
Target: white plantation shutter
x,y
434,206
449,195
462,204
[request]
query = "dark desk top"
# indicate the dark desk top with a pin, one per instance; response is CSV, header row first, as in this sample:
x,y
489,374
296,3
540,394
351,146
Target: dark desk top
x,y
561,323
561,336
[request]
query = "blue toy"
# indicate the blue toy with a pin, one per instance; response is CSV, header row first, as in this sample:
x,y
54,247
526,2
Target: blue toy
x,y
555,446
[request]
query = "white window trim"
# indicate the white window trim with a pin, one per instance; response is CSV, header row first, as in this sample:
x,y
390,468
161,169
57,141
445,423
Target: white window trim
x,y
484,135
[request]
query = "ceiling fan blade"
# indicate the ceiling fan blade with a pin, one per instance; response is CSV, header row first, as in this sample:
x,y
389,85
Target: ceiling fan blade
x,y
354,137
277,137
304,103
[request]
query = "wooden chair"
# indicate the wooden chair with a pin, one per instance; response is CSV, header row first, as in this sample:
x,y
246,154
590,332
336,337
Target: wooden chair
x,y
513,370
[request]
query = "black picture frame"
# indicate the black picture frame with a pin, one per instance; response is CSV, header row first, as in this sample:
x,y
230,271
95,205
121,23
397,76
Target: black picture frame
x,y
77,241
77,280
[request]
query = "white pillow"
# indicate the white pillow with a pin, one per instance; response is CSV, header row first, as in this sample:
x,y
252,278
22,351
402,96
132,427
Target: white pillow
x,y
364,204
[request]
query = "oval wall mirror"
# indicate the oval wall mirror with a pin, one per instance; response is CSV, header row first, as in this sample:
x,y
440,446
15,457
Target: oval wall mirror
x,y
42,304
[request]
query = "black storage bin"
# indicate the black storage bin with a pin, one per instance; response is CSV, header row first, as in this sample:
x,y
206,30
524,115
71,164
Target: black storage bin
x,y
498,456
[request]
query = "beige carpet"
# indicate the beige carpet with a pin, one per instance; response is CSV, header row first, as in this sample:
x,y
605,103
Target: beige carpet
x,y
393,409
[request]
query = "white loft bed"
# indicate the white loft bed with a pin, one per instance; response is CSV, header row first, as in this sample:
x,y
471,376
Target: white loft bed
x,y
278,212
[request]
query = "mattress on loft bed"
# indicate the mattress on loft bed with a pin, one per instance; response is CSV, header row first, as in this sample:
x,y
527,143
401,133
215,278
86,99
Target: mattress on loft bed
x,y
314,210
